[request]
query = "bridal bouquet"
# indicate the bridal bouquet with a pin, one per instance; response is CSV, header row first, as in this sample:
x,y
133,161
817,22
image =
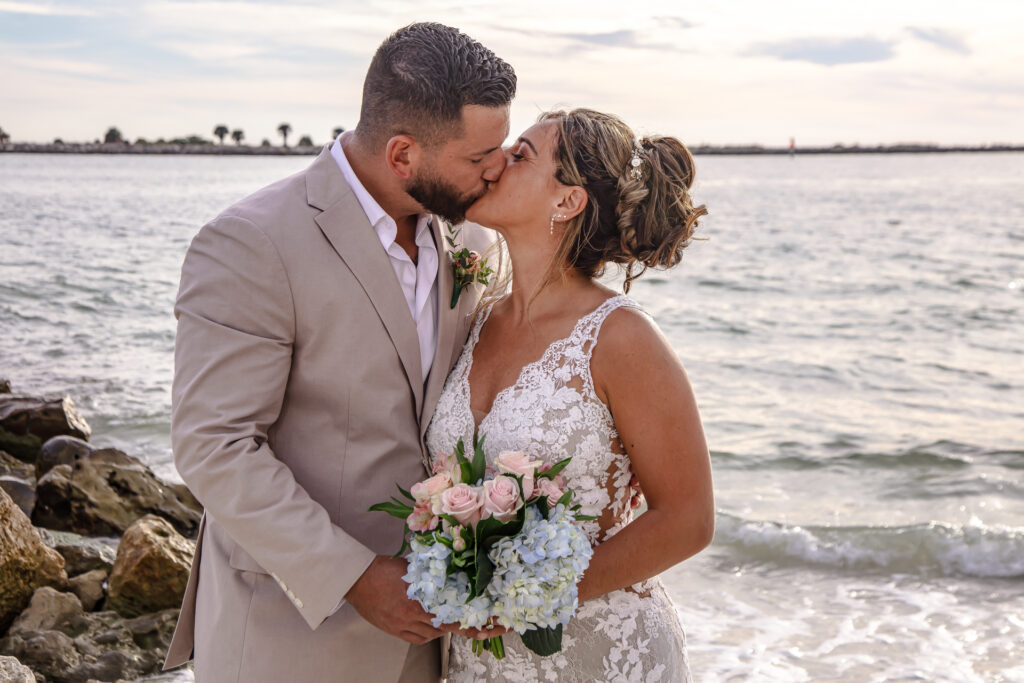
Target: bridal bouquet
x,y
501,545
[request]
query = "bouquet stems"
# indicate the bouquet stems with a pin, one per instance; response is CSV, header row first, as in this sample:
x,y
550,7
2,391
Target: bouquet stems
x,y
494,645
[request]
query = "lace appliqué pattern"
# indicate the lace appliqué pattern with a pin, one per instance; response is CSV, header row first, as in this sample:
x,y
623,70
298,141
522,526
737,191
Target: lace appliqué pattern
x,y
552,412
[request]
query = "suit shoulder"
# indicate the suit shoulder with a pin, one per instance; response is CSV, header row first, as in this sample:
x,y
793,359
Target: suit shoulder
x,y
273,209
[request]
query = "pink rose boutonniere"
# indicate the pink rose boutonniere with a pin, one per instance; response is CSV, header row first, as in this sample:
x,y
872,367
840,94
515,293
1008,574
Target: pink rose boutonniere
x,y
467,266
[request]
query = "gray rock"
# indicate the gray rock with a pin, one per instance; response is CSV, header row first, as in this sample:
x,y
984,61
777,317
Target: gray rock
x,y
5,386
99,646
50,653
102,493
61,450
13,671
26,422
151,570
47,609
25,562
81,553
89,587
21,491
11,466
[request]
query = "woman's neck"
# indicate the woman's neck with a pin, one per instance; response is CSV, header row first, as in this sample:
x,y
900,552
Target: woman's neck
x,y
530,268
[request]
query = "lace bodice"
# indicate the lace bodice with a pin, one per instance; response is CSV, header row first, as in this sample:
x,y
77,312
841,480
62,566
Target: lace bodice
x,y
551,412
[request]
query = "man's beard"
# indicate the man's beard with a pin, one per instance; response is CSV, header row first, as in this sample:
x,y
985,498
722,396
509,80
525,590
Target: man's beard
x,y
437,196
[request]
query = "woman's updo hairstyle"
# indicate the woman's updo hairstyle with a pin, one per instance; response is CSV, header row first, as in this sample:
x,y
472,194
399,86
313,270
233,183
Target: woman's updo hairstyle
x,y
639,222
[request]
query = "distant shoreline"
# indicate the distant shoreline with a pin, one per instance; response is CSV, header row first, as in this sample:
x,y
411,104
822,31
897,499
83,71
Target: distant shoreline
x,y
274,150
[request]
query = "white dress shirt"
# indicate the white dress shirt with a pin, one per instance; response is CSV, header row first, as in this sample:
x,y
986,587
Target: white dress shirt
x,y
418,280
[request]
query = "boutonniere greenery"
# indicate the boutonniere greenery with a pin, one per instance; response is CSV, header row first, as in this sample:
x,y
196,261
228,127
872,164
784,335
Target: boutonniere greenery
x,y
467,266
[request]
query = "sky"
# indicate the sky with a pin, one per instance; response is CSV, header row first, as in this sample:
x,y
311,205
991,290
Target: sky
x,y
726,72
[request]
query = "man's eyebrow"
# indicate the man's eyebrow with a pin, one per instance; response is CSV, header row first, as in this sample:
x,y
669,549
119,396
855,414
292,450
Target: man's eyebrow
x,y
485,152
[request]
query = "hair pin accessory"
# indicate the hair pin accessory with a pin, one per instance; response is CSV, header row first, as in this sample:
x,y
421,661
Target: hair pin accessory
x,y
636,172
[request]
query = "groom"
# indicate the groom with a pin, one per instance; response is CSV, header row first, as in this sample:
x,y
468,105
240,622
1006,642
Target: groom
x,y
314,337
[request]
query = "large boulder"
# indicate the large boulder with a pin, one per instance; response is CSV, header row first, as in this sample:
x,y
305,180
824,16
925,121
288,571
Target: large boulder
x,y
81,553
47,609
60,450
151,570
100,493
5,386
26,422
25,562
66,645
13,671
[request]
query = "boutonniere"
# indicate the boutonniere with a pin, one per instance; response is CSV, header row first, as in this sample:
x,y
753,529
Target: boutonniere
x,y
467,266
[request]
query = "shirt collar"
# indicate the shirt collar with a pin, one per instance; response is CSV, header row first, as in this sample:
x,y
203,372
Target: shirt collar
x,y
382,223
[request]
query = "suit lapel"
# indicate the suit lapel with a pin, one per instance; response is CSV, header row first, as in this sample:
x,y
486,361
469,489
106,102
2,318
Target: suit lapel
x,y
345,225
447,322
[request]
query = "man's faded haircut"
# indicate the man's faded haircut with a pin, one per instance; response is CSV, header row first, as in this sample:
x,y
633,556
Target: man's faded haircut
x,y
420,79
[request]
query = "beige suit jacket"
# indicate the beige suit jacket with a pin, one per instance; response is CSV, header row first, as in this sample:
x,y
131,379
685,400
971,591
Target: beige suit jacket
x,y
298,402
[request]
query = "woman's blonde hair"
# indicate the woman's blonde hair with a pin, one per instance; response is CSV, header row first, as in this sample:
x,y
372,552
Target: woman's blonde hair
x,y
640,220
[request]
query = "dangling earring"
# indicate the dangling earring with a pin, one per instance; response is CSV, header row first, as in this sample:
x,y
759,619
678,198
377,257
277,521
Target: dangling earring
x,y
559,216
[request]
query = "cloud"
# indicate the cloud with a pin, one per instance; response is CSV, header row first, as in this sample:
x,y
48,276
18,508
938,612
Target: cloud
x,y
677,22
943,39
48,10
628,39
827,51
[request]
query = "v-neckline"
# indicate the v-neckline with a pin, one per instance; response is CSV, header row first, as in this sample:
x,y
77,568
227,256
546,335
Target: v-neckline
x,y
485,315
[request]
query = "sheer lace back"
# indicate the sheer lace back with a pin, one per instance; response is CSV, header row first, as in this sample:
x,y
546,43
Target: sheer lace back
x,y
551,412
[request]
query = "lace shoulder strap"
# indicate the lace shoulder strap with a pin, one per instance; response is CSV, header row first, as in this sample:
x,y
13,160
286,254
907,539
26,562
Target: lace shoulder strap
x,y
588,329
589,326
482,314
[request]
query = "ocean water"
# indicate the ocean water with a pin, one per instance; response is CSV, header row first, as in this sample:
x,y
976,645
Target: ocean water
x,y
853,327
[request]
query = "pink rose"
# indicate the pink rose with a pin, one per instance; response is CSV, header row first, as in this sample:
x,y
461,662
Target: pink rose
x,y
463,502
422,517
516,462
501,498
430,488
546,487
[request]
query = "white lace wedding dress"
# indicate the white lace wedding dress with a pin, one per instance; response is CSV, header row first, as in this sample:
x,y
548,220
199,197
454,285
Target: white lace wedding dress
x,y
551,413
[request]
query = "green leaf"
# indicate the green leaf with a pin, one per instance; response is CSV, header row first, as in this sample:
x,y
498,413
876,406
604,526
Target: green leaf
x,y
465,467
393,509
479,459
406,493
542,506
544,641
565,499
484,572
555,469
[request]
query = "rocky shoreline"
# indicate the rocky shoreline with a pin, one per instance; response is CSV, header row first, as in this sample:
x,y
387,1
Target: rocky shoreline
x,y
95,550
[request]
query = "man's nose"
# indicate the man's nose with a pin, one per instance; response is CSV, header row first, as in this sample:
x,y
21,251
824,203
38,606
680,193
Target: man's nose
x,y
495,165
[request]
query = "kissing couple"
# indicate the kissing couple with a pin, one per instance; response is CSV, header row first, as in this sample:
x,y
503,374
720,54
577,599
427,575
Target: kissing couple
x,y
327,350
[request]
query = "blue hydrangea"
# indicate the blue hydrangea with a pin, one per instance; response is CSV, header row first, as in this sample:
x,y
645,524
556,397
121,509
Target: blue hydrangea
x,y
536,571
446,597
534,580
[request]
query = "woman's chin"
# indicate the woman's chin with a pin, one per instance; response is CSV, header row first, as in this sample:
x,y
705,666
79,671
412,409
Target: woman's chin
x,y
478,215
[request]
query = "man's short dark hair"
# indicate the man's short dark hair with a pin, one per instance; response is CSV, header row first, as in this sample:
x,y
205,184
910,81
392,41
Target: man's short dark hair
x,y
420,79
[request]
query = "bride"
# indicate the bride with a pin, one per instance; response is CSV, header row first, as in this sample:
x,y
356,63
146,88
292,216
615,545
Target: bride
x,y
562,366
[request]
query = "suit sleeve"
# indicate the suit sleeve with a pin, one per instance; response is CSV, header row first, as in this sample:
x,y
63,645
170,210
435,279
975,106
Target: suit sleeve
x,y
232,353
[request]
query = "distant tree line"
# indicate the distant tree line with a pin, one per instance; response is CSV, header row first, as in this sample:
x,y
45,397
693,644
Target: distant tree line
x,y
113,136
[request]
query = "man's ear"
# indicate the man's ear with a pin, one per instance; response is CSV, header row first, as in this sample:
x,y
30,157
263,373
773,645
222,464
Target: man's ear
x,y
573,201
402,154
